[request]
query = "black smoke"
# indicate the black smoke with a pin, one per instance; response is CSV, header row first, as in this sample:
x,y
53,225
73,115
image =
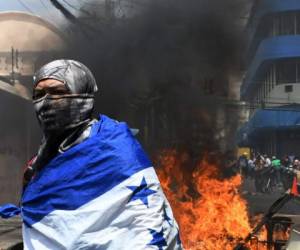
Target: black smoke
x,y
165,67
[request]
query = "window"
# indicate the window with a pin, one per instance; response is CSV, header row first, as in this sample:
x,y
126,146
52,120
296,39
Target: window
x,y
287,23
286,72
297,15
288,88
280,24
298,71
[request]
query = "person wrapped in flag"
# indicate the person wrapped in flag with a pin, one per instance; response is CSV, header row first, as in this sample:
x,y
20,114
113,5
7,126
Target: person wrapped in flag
x,y
91,185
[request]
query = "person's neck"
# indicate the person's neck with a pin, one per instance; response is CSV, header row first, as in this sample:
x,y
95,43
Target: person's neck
x,y
62,134
51,143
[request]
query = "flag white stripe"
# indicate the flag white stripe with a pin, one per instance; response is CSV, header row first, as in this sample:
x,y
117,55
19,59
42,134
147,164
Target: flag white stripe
x,y
108,222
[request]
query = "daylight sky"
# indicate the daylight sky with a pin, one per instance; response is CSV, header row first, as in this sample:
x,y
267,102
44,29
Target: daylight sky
x,y
41,8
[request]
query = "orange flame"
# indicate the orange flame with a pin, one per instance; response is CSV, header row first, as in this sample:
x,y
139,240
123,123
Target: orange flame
x,y
209,210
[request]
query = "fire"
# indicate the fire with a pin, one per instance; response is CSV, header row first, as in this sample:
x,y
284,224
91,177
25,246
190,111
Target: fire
x,y
210,212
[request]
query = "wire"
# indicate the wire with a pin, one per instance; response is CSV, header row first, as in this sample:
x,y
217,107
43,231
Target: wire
x,y
76,8
47,9
88,2
67,14
26,7
280,106
71,5
275,109
45,6
84,27
258,84
129,3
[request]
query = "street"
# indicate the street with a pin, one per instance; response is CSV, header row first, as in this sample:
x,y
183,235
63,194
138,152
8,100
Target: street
x,y
259,203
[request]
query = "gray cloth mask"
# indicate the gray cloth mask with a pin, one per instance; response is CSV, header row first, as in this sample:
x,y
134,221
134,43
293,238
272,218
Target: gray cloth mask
x,y
57,113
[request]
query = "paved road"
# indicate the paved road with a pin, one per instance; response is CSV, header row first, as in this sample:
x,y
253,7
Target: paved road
x,y
10,233
260,203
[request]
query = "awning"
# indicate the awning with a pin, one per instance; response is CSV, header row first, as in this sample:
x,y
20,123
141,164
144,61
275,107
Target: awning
x,y
278,118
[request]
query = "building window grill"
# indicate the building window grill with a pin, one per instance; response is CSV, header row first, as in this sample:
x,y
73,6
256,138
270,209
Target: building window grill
x,y
287,72
286,23
297,23
281,72
288,88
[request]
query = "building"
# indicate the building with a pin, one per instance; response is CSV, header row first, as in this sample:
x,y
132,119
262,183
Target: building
x,y
26,42
271,84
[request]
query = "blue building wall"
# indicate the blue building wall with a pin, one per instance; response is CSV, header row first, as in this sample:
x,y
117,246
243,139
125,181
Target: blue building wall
x,y
275,130
269,50
267,7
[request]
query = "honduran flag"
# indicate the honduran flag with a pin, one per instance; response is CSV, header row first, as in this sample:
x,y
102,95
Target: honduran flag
x,y
100,194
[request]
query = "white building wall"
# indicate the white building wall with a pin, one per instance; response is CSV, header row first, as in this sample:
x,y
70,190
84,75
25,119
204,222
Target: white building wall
x,y
31,38
279,96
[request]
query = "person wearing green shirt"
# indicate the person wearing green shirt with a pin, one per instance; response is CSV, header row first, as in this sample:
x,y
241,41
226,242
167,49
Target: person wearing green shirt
x,y
276,164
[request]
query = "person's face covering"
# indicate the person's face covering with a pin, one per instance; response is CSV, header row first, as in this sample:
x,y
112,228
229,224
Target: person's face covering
x,y
63,96
57,109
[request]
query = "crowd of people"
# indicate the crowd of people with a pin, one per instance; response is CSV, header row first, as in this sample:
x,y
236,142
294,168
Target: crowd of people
x,y
269,173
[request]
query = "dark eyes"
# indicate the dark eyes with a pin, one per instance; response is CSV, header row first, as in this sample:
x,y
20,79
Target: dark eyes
x,y
39,93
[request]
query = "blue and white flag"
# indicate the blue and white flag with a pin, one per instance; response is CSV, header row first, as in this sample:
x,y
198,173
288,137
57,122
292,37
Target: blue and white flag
x,y
100,194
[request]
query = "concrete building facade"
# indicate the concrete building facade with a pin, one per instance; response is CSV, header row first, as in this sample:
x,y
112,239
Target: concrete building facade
x,y
271,84
26,42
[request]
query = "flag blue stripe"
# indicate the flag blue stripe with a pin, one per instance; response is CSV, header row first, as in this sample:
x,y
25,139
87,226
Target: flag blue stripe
x,y
84,172
9,210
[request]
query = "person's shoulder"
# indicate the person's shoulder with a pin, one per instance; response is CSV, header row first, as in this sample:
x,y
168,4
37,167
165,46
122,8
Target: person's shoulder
x,y
113,127
115,133
118,137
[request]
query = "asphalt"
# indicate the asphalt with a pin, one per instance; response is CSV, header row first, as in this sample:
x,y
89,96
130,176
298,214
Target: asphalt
x,y
10,234
259,203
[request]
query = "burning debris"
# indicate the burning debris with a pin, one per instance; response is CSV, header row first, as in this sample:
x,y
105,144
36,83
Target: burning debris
x,y
210,210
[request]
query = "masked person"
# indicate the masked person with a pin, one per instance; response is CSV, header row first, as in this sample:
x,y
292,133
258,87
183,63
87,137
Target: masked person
x,y
91,186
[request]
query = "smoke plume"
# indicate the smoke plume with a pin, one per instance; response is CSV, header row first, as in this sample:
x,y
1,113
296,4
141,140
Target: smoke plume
x,y
165,66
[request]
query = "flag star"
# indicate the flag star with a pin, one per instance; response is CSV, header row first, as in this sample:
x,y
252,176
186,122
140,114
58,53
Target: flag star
x,y
141,192
157,239
166,217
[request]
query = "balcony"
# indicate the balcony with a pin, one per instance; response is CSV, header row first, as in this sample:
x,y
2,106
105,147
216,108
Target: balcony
x,y
270,50
268,7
